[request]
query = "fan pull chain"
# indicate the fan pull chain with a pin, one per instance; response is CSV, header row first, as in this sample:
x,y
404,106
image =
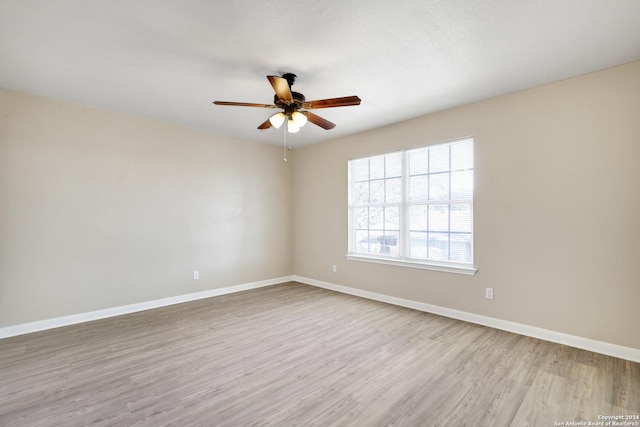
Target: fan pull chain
x,y
284,145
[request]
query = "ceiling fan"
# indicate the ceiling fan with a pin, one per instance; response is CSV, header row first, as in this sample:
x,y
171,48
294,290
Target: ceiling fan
x,y
294,106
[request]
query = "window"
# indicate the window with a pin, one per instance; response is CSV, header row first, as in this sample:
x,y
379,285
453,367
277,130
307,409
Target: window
x,y
414,207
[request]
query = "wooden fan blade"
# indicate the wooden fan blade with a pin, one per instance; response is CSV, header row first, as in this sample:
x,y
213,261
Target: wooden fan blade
x,y
317,120
265,125
243,104
345,101
281,86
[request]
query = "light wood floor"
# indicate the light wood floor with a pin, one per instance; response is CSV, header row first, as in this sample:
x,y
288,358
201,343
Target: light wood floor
x,y
297,355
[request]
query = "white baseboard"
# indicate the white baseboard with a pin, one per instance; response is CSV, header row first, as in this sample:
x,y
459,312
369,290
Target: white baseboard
x,y
41,325
627,353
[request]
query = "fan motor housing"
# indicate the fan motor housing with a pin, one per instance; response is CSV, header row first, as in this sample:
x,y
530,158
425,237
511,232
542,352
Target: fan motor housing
x,y
298,100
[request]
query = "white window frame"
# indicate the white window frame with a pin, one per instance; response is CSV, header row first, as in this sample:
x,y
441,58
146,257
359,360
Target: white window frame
x,y
403,259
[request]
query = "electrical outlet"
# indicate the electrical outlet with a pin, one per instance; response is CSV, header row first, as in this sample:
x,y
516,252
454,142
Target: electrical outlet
x,y
196,275
335,268
488,293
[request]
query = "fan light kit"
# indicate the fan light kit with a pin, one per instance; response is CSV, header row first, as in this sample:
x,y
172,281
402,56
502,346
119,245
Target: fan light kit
x,y
294,107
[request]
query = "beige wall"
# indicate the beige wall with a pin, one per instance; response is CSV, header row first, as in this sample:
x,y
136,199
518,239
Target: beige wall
x,y
99,210
556,212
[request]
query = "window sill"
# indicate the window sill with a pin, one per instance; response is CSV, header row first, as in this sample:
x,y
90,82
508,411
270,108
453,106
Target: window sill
x,y
449,268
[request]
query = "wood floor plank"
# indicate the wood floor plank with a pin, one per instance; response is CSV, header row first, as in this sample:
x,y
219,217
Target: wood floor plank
x,y
292,354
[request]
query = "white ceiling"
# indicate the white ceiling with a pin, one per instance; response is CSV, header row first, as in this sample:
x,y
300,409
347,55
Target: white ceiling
x,y
169,60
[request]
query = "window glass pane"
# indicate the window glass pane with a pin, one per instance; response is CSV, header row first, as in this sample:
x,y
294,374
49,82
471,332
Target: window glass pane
x,y
375,237
362,241
376,218
438,246
418,245
418,188
460,247
392,218
439,186
361,218
439,218
418,218
376,167
393,167
462,155
439,158
394,190
389,243
377,191
461,217
361,169
361,192
462,185
418,161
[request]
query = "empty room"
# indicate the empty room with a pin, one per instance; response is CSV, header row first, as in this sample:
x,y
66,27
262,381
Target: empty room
x,y
335,213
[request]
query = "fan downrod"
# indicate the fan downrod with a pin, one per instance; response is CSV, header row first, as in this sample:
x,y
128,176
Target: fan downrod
x,y
290,78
